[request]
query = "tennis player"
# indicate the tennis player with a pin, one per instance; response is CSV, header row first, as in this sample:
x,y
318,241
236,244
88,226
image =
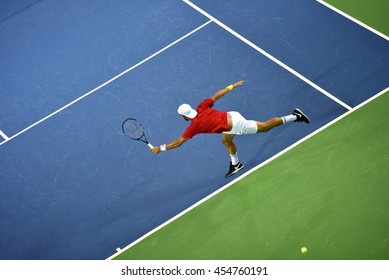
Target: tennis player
x,y
207,120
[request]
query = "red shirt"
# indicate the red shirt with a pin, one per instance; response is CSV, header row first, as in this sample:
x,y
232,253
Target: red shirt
x,y
207,120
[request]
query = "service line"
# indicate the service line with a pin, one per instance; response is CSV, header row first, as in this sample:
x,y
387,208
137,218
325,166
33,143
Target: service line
x,y
280,63
106,83
2,134
354,20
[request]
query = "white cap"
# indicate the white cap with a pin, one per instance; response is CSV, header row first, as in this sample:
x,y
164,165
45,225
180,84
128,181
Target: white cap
x,y
187,111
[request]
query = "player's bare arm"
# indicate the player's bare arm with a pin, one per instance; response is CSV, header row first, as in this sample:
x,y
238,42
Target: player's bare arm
x,y
172,145
223,91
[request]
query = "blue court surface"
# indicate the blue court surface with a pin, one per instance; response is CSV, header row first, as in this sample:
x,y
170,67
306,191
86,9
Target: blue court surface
x,y
72,186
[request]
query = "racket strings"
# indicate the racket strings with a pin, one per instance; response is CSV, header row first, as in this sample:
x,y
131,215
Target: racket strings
x,y
133,129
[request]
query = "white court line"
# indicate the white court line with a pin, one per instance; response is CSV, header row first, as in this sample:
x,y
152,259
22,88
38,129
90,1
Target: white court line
x,y
283,65
2,134
247,173
106,83
354,19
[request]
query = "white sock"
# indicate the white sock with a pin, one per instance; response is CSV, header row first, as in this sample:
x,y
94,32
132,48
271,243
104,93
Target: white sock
x,y
289,118
234,159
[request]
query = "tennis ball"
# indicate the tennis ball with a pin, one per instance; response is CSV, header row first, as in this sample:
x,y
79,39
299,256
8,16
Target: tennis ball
x,y
304,250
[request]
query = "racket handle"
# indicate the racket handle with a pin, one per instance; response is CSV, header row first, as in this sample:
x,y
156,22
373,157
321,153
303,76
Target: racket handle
x,y
151,146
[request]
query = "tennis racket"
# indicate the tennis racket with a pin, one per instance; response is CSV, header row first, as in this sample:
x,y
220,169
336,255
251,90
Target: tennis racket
x,y
133,129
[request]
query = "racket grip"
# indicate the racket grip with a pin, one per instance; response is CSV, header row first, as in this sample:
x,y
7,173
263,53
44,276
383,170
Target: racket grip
x,y
151,146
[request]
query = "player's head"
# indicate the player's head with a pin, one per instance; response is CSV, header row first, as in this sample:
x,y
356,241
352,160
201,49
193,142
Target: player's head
x,y
187,112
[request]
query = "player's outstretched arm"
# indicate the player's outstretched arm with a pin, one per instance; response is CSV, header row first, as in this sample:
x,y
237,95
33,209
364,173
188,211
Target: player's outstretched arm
x,y
223,91
172,145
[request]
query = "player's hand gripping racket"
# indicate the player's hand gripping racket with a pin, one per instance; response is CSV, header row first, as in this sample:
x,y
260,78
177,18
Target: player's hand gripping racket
x,y
133,129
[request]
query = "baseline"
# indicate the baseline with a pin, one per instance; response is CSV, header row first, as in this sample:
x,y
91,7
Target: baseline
x,y
121,250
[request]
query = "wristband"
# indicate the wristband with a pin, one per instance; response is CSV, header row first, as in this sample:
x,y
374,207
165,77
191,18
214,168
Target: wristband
x,y
163,148
230,87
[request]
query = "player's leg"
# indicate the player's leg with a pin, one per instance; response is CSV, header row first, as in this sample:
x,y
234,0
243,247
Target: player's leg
x,y
228,142
235,165
296,116
268,125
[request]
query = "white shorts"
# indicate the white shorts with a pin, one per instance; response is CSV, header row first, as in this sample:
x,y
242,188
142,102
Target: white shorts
x,y
240,125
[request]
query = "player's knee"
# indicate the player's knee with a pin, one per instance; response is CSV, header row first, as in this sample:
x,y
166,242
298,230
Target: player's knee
x,y
226,141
